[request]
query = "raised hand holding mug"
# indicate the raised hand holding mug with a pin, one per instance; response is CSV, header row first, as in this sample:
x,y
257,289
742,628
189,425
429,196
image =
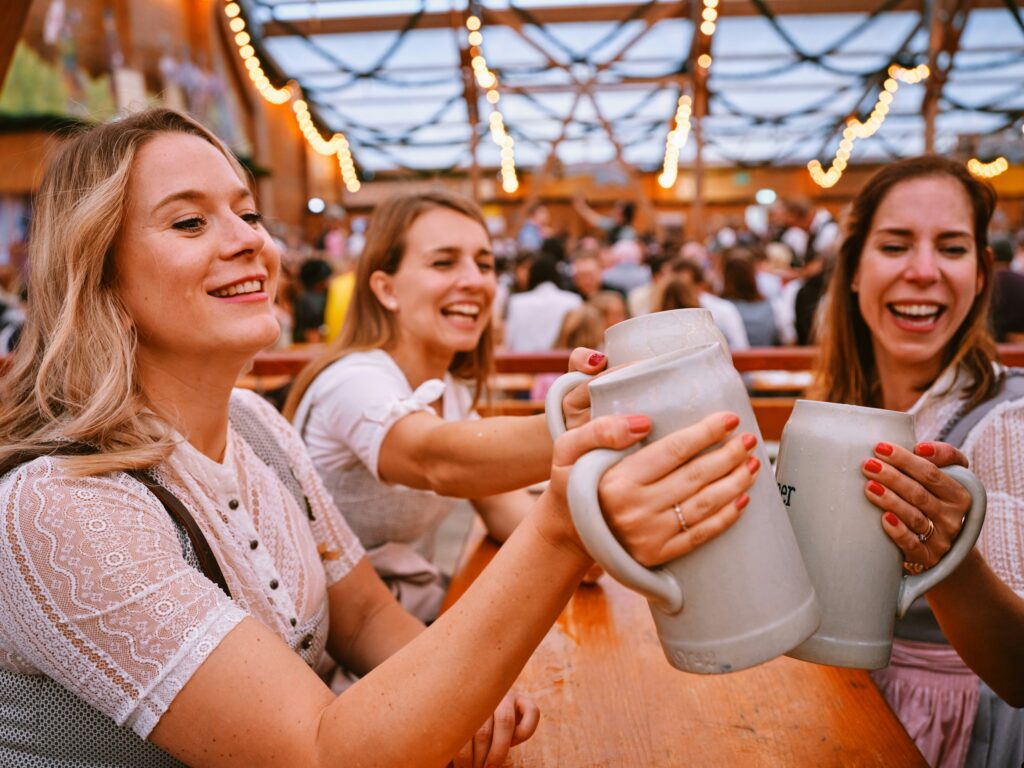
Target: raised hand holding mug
x,y
738,600
855,567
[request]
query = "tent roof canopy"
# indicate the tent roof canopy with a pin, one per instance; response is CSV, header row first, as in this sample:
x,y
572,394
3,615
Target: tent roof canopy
x,y
590,81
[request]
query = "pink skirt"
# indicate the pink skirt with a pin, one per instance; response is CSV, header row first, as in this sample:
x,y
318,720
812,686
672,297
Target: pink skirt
x,y
935,696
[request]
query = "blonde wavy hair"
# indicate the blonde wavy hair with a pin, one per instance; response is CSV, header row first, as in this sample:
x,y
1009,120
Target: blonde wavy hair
x,y
368,325
73,375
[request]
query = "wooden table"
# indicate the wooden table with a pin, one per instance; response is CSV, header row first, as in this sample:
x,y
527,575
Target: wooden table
x,y
609,698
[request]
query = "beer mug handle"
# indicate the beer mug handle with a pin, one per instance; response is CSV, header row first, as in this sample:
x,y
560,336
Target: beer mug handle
x,y
915,586
656,584
553,402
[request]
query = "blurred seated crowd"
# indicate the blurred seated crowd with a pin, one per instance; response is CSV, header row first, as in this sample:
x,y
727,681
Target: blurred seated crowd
x,y
557,291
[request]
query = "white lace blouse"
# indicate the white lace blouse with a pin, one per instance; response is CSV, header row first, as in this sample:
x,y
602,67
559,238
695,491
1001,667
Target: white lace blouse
x,y
95,592
995,449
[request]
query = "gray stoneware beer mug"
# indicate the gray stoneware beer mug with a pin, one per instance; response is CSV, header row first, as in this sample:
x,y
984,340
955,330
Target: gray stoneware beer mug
x,y
742,598
660,332
635,339
855,567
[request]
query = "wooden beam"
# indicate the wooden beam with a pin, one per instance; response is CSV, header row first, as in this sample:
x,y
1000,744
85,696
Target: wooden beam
x,y
945,29
13,14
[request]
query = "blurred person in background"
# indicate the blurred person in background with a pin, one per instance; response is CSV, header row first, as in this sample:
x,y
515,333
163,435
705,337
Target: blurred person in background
x,y
618,226
624,267
611,305
536,229
535,317
740,288
586,274
640,300
1007,295
311,301
691,276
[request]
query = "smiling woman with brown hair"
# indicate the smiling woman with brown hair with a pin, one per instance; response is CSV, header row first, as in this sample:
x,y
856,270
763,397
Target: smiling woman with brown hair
x,y
907,329
171,566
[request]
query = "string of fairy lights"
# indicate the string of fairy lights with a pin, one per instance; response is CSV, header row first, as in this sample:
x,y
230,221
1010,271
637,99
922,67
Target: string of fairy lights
x,y
337,145
488,81
677,136
855,129
674,142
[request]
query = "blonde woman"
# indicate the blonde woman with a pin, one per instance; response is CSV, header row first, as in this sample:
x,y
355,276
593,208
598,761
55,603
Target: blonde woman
x,y
171,564
388,412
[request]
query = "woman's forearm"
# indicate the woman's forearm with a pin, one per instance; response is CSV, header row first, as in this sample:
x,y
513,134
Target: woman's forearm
x,y
984,621
467,459
492,631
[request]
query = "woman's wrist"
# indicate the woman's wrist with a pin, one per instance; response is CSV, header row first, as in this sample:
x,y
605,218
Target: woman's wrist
x,y
550,518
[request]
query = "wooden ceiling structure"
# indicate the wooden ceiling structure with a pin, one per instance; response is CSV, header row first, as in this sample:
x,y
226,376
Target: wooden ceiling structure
x,y
942,20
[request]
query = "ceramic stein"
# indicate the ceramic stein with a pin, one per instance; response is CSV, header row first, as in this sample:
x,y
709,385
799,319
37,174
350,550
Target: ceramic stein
x,y
638,339
855,567
738,600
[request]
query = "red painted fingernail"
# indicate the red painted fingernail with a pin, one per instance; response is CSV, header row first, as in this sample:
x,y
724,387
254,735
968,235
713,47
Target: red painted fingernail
x,y
891,519
639,424
873,466
749,441
731,421
924,449
742,501
596,358
753,464
883,449
875,488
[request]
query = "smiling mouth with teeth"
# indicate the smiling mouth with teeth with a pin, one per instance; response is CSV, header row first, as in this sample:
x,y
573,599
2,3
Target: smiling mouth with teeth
x,y
239,289
462,310
922,314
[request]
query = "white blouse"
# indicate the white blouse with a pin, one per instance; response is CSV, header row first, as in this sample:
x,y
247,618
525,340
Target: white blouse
x,y
96,594
344,417
995,450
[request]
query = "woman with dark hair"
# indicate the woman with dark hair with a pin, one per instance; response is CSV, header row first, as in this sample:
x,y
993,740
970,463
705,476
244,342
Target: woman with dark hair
x,y
739,286
172,567
906,329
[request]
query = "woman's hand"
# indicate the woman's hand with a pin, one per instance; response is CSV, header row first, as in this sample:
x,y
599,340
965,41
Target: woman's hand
x,y
923,507
640,494
576,404
513,722
669,497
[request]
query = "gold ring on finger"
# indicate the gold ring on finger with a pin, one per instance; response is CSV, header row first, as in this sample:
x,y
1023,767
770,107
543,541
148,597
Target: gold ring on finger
x,y
923,537
679,516
914,568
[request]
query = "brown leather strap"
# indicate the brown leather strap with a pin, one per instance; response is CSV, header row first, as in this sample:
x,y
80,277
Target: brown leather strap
x,y
177,511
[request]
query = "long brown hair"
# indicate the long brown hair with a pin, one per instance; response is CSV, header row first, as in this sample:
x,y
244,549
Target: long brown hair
x,y
73,374
368,325
739,276
847,370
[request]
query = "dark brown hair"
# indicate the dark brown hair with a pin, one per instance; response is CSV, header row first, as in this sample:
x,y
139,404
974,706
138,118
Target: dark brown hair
x,y
847,370
739,276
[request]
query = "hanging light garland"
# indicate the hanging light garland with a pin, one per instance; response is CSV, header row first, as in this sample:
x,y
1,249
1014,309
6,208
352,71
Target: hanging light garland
x,y
488,80
675,141
336,145
987,170
709,16
855,129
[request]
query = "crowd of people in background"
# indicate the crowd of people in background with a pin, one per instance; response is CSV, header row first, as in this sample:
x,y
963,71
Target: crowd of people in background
x,y
557,290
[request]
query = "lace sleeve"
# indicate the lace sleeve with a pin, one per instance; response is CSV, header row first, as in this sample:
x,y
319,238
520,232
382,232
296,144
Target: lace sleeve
x,y
96,594
995,449
340,547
